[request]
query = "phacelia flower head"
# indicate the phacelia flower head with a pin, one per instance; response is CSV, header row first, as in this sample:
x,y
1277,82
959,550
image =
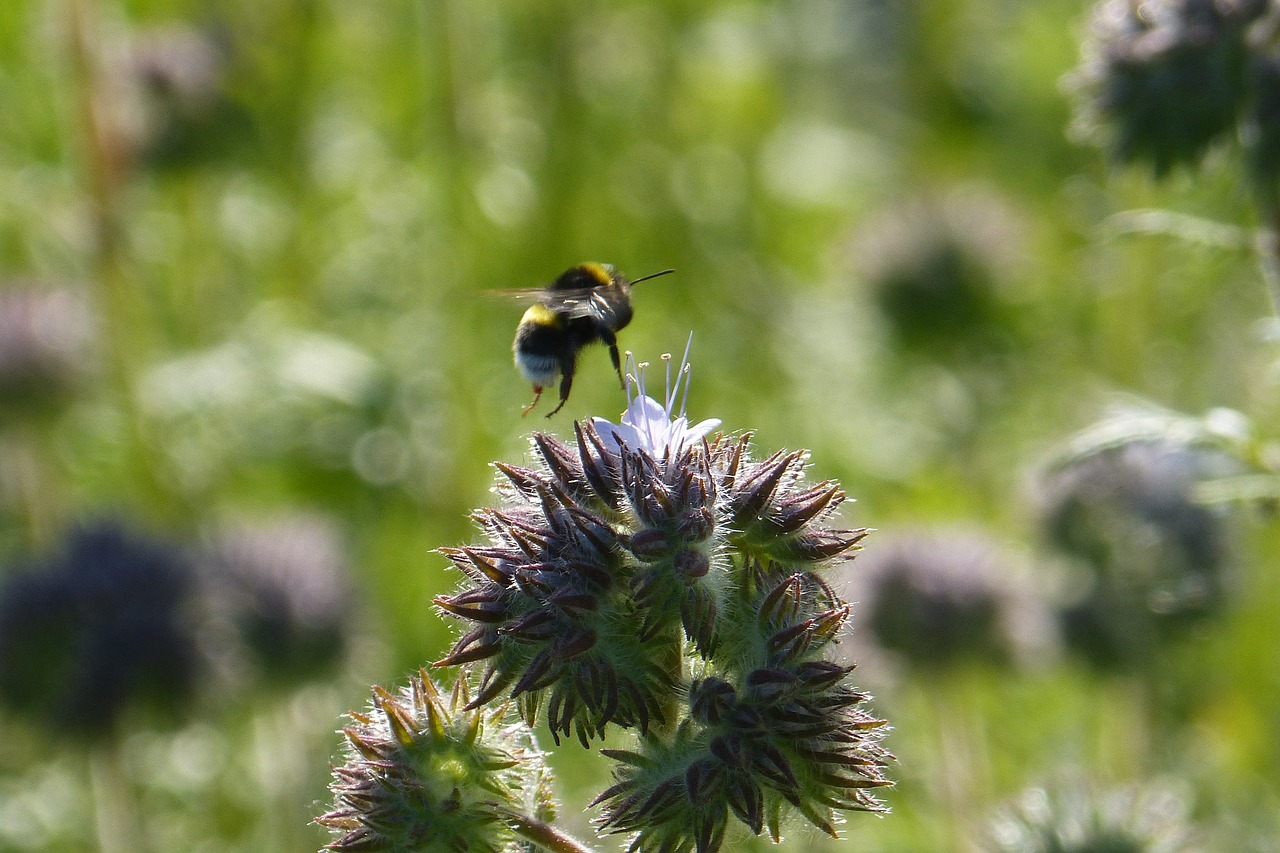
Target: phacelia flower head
x,y
936,597
1072,816
1166,79
45,335
659,578
100,629
281,590
934,266
423,774
1150,555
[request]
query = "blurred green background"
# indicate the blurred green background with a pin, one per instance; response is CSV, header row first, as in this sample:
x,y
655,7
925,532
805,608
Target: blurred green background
x,y
271,225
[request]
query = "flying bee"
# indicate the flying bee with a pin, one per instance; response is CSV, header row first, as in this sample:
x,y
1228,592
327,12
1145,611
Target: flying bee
x,y
586,303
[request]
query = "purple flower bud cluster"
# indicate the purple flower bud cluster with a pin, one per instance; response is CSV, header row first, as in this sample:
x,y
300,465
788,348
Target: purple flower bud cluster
x,y
651,578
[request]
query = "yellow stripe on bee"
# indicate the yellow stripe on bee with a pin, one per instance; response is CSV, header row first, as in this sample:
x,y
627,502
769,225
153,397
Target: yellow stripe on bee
x,y
598,271
541,315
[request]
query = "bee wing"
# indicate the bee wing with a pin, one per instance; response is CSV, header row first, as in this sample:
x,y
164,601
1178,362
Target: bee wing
x,y
519,295
580,302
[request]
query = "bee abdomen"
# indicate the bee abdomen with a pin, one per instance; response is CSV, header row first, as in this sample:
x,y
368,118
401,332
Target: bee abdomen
x,y
537,369
537,345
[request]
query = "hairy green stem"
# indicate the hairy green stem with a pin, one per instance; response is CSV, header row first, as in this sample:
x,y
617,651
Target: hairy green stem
x,y
115,817
1268,247
108,165
544,834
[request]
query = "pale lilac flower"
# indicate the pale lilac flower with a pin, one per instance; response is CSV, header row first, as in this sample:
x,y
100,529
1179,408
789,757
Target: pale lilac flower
x,y
649,425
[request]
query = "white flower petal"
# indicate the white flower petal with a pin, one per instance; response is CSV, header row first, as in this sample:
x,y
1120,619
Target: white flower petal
x,y
700,429
619,434
649,419
644,410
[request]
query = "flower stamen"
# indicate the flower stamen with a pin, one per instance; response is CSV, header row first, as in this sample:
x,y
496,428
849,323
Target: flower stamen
x,y
652,426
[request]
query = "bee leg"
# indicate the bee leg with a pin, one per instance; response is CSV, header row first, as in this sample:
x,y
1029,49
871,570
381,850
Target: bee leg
x,y
612,340
566,381
537,395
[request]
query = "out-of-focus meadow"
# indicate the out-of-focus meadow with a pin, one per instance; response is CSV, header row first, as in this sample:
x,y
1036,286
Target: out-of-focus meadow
x,y
250,378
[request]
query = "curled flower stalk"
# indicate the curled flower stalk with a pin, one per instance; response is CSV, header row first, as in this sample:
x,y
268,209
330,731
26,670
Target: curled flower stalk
x,y
651,577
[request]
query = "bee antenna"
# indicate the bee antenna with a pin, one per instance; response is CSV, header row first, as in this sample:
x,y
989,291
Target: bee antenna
x,y
651,275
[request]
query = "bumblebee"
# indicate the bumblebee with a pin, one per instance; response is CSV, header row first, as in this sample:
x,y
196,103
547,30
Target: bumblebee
x,y
586,303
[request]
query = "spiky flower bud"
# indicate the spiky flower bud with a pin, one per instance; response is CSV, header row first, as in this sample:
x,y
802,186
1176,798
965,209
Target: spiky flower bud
x,y
1166,79
423,774
649,577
